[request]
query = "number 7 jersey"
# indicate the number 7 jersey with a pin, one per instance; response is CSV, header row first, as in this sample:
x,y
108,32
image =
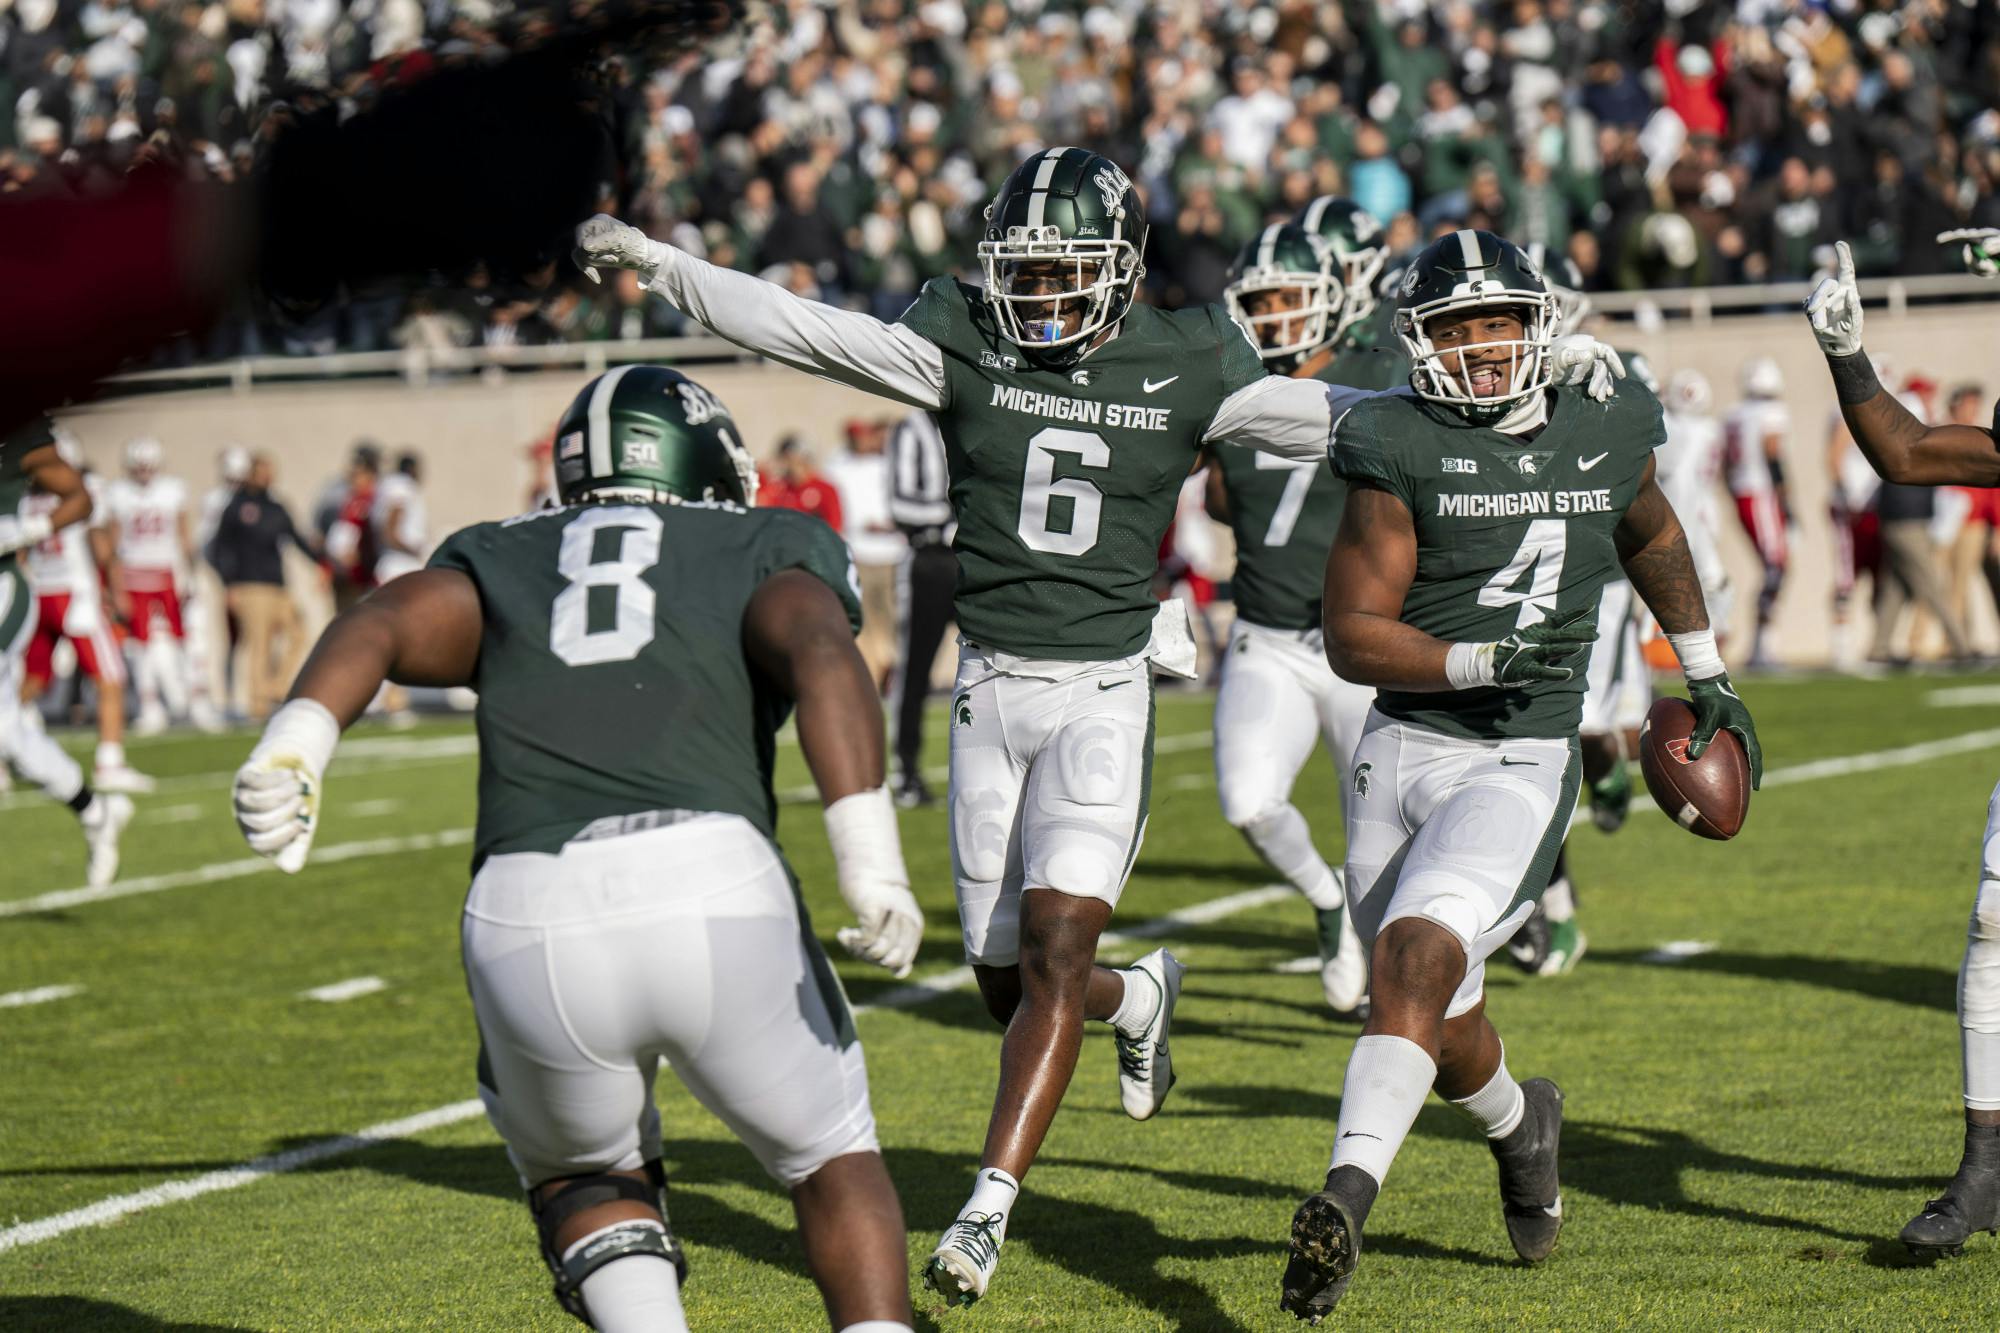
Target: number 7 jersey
x,y
1064,480
1509,532
611,676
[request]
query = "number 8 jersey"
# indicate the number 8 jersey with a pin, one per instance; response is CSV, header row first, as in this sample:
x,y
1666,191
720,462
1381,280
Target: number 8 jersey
x,y
1510,531
1064,480
611,675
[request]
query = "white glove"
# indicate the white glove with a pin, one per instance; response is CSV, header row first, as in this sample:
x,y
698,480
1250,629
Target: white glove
x,y
1835,307
605,242
1982,249
19,530
868,859
1578,359
278,789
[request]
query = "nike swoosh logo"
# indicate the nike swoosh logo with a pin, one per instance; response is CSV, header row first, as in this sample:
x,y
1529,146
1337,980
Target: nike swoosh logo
x,y
996,1180
1357,1134
1582,466
1151,387
1505,762
1112,685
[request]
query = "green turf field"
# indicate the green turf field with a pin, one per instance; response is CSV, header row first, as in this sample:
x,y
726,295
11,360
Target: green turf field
x,y
1747,1127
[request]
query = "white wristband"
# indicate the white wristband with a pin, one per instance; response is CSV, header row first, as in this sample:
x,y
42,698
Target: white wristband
x,y
302,727
35,527
1468,666
1698,654
867,852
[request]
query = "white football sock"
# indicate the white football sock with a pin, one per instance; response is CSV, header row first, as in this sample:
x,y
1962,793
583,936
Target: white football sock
x,y
993,1191
1387,1081
1979,998
636,1294
877,1326
1141,1002
1498,1107
1281,837
39,759
110,754
1559,900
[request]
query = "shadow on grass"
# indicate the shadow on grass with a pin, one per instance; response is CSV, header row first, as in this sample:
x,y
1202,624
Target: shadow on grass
x,y
87,1316
1240,872
1924,987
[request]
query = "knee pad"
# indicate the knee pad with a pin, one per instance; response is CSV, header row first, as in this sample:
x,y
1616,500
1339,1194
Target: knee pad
x,y
982,826
634,1237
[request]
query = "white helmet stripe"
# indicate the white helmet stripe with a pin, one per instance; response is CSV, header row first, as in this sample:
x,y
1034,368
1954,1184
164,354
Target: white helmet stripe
x,y
1266,244
1038,199
599,420
1315,211
1468,248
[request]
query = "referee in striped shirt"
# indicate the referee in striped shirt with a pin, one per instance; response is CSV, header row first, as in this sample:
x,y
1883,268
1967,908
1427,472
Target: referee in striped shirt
x,y
919,505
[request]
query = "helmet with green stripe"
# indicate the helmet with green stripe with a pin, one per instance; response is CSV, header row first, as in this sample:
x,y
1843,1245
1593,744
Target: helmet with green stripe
x,y
1282,290
1063,251
1565,283
1461,274
1354,238
650,433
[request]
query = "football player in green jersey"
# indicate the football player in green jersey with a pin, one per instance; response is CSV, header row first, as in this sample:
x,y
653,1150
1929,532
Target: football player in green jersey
x,y
1278,694
1486,509
635,650
1903,449
1071,416
28,457
1356,243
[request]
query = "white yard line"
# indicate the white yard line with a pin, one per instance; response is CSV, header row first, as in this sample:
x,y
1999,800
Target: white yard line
x,y
374,809
1678,951
351,989
222,870
370,755
39,995
246,1173
171,814
1964,696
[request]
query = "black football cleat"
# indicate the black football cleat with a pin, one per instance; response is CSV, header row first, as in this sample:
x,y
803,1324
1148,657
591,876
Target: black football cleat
x,y
1530,1193
1970,1202
1326,1245
1529,946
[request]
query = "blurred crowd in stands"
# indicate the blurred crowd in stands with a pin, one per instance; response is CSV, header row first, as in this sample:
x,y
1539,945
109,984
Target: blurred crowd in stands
x,y
847,148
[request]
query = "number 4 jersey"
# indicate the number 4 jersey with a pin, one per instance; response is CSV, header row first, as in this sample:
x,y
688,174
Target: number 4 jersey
x,y
1064,480
1509,532
611,676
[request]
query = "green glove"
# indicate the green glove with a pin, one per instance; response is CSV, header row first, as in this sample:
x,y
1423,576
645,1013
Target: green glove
x,y
1717,707
1542,651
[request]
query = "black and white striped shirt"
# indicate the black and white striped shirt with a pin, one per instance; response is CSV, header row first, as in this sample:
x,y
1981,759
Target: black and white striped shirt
x,y
919,496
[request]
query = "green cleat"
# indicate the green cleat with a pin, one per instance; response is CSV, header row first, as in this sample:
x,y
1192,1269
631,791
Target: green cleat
x,y
1611,798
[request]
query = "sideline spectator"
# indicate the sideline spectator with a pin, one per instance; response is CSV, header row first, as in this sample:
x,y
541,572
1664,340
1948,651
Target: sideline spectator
x,y
859,474
248,553
794,482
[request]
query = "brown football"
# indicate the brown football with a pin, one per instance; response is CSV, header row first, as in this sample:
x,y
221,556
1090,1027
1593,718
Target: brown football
x,y
1710,795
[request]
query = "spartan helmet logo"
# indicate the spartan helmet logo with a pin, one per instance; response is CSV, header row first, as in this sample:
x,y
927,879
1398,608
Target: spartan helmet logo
x,y
1526,464
1361,772
961,709
1080,377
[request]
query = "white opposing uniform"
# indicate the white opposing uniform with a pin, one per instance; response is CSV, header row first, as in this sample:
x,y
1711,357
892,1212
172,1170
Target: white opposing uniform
x,y
1479,819
396,492
1618,687
1689,468
1745,429
149,515
679,943
62,571
1050,765
1279,697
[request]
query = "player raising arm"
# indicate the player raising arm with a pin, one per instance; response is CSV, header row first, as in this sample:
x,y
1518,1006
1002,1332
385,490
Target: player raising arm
x,y
635,651
1903,449
1485,512
1071,415
28,458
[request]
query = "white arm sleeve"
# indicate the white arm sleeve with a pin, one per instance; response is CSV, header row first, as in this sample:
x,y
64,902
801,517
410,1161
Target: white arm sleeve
x,y
834,344
1279,415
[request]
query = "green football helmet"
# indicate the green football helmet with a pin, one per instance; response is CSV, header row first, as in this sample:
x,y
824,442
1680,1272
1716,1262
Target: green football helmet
x,y
1565,282
1065,211
1286,257
1455,275
1355,239
650,433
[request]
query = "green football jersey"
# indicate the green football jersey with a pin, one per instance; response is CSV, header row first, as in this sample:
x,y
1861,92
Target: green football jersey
x,y
1284,513
1508,533
1064,481
611,673
16,601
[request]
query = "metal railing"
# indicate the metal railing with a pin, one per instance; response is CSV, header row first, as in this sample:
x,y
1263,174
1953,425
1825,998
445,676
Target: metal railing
x,y
418,366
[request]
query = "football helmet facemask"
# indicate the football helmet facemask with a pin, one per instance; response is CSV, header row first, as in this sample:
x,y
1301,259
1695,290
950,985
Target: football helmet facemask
x,y
1458,274
649,433
1286,257
1065,236
1354,238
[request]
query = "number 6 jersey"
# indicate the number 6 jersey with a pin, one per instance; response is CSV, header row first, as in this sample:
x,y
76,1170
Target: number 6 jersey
x,y
611,675
1064,480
